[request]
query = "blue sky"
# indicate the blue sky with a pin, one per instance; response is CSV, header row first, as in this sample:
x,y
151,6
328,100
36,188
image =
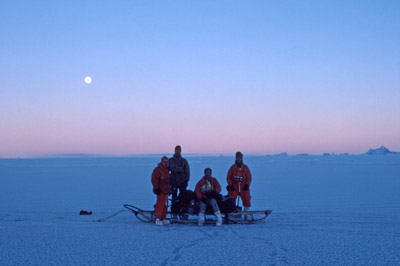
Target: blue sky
x,y
213,76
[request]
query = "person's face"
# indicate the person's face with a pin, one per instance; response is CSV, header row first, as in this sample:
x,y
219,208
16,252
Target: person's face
x,y
178,151
208,174
164,162
239,159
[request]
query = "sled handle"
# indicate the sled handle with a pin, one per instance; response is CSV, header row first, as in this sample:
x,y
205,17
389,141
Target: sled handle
x,y
133,209
144,216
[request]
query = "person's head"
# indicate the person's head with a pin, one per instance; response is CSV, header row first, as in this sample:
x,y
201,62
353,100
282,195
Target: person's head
x,y
178,151
239,157
164,162
207,172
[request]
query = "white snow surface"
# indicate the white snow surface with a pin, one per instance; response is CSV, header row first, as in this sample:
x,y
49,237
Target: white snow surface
x,y
327,210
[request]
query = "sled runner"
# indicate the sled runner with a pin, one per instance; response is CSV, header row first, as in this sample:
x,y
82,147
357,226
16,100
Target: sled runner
x,y
186,216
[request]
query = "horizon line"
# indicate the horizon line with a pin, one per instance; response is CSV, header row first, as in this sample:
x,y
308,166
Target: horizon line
x,y
94,155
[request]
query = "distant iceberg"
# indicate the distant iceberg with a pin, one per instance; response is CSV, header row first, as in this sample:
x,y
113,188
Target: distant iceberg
x,y
380,151
283,154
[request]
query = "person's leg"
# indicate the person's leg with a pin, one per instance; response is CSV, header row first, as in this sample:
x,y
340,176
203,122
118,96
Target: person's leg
x,y
203,207
213,204
159,208
246,198
174,192
181,189
164,213
246,203
181,197
165,206
217,213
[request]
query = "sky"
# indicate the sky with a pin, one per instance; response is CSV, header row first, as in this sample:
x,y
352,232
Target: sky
x,y
262,77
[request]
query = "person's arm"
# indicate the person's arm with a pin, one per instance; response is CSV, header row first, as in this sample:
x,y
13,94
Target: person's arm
x,y
249,177
187,171
154,179
198,192
229,176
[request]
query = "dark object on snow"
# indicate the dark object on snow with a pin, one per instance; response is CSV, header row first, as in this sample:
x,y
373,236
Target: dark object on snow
x,y
184,200
176,207
186,196
82,212
228,205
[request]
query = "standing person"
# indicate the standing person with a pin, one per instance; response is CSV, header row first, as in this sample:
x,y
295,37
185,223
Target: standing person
x,y
180,173
239,180
160,180
207,191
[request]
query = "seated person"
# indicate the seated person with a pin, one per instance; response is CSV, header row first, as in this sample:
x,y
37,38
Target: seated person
x,y
207,191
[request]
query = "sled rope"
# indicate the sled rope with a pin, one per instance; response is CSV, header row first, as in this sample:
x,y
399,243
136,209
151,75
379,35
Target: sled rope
x,y
108,217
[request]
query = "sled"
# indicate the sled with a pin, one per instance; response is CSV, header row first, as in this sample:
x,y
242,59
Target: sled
x,y
234,217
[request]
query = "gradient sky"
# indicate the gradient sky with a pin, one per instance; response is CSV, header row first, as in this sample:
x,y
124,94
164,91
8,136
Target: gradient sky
x,y
262,77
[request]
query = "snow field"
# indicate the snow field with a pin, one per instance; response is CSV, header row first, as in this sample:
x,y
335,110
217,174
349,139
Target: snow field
x,y
336,210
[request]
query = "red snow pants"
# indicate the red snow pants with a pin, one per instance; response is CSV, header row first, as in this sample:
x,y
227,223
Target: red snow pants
x,y
244,195
161,206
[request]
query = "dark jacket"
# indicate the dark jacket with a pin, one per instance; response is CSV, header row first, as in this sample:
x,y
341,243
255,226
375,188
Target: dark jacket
x,y
180,171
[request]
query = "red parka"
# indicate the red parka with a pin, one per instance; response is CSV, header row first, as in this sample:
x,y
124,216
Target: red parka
x,y
161,179
203,183
235,172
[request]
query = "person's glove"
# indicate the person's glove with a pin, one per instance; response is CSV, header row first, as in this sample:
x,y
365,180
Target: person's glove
x,y
246,187
156,191
204,200
231,188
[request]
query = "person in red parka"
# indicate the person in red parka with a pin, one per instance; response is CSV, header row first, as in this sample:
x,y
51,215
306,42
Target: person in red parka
x,y
161,180
207,191
239,180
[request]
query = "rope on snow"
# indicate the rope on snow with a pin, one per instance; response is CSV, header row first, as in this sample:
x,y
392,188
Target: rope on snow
x,y
108,217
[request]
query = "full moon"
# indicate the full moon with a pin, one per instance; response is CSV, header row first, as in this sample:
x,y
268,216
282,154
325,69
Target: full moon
x,y
88,80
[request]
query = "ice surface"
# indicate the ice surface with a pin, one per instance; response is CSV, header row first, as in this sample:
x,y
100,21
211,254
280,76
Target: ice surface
x,y
327,210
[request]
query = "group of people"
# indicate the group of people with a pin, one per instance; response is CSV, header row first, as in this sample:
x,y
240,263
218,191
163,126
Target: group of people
x,y
173,175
